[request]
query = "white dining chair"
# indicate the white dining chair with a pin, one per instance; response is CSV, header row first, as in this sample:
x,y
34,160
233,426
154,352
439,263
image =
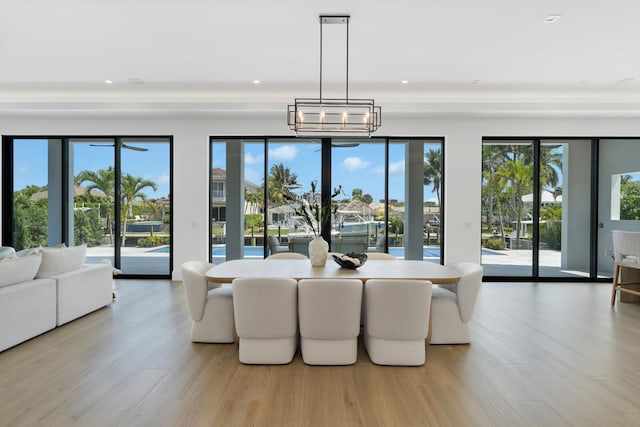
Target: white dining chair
x,y
287,255
383,256
329,313
452,305
397,321
266,314
210,305
626,271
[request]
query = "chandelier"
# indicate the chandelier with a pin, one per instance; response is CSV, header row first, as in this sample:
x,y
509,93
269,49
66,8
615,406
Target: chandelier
x,y
323,115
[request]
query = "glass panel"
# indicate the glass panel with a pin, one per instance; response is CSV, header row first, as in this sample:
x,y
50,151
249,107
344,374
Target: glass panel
x,y
253,199
218,201
432,201
294,174
31,194
359,167
145,228
507,183
565,185
93,200
618,158
396,223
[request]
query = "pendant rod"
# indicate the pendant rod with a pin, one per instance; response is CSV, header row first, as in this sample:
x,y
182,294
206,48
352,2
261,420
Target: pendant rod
x,y
347,78
321,24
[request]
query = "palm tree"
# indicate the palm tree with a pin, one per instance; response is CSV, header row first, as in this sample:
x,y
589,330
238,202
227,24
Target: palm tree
x,y
280,181
520,178
132,187
550,163
433,171
102,180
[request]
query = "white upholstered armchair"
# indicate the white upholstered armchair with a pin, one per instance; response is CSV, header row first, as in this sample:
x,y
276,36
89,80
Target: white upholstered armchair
x,y
266,314
452,305
210,304
397,320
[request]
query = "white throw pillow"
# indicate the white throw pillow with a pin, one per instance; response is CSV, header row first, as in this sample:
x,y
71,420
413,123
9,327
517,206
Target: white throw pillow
x,y
18,270
60,260
29,251
6,251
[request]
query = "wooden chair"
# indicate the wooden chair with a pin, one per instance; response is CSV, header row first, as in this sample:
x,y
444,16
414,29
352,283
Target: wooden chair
x,y
626,271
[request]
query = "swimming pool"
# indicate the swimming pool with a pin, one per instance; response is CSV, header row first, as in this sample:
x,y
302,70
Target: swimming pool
x,y
258,252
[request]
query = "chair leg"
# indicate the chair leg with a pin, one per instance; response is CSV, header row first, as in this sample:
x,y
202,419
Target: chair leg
x,y
616,273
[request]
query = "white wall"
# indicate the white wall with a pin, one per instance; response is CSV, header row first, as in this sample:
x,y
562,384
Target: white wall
x,y
463,151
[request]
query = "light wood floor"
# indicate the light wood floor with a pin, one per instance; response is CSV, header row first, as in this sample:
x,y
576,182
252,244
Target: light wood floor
x,y
542,355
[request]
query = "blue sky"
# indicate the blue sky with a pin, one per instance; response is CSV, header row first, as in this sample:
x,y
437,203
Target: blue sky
x,y
31,164
352,167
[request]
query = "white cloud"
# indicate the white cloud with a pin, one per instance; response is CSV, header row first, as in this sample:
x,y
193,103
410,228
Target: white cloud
x,y
23,169
352,164
162,179
286,152
396,169
249,159
252,175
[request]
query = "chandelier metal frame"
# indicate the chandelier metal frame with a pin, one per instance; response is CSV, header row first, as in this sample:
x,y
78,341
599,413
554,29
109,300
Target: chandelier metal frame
x,y
329,115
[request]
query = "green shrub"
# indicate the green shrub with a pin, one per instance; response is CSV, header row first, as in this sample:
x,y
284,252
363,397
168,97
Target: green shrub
x,y
494,243
552,234
252,220
150,241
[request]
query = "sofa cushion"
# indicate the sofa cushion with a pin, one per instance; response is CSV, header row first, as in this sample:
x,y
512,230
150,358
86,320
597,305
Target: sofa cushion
x,y
6,251
60,260
18,270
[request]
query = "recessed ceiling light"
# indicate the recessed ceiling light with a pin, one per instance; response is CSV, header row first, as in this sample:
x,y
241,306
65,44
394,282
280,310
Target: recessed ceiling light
x,y
405,82
109,82
551,19
135,81
256,82
625,81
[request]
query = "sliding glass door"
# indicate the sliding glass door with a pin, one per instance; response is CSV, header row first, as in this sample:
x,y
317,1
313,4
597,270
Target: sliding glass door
x,y
507,197
538,198
372,209
111,193
618,196
36,191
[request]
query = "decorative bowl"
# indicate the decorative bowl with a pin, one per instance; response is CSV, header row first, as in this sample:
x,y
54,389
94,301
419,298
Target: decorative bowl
x,y
350,260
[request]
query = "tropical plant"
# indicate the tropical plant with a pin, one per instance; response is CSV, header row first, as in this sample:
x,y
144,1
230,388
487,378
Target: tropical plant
x,y
281,180
86,227
520,180
313,213
629,199
102,180
132,190
30,218
433,171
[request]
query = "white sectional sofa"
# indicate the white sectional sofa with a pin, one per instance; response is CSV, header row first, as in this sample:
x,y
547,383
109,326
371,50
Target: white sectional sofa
x,y
46,288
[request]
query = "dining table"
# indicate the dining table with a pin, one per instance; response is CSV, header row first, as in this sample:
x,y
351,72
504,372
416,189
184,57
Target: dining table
x,y
299,269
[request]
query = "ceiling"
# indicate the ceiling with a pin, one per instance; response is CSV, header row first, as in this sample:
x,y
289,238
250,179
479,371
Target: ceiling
x,y
199,57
